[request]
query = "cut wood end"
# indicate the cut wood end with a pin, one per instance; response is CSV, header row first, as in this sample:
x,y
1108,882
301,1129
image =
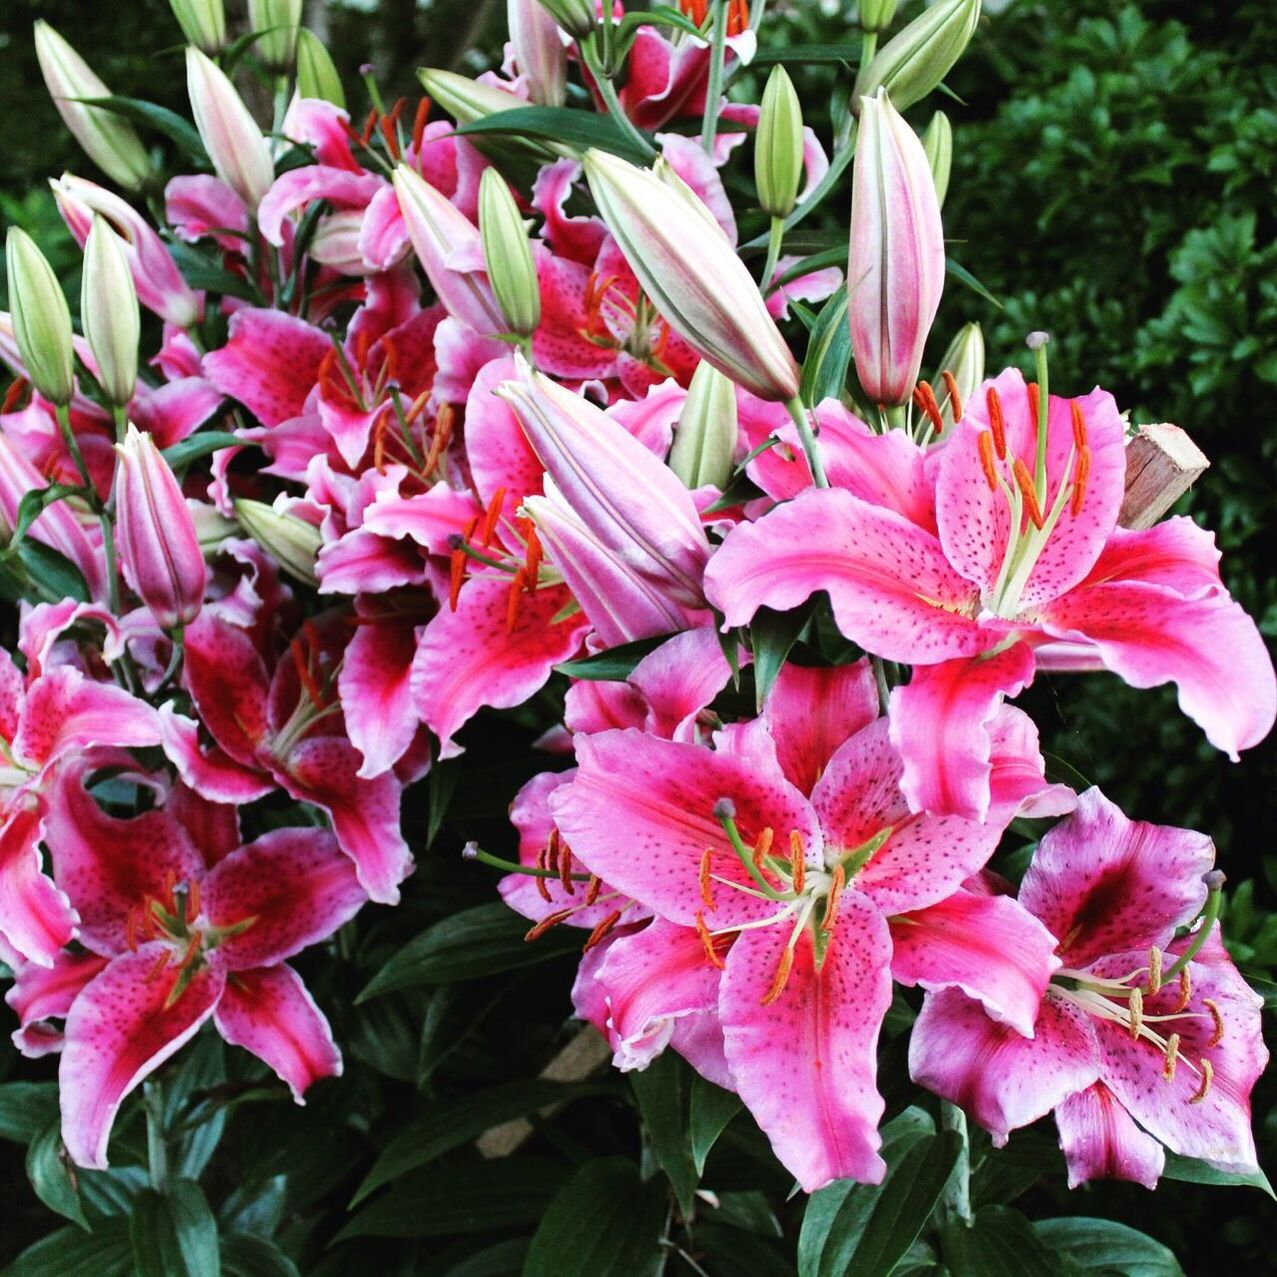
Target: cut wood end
x,y
1162,463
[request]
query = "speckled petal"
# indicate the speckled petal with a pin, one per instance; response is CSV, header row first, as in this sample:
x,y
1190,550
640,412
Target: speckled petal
x,y
270,363
1101,1141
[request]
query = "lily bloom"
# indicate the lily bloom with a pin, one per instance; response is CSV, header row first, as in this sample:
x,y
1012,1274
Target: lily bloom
x,y
1026,569
284,729
187,935
790,855
1143,1042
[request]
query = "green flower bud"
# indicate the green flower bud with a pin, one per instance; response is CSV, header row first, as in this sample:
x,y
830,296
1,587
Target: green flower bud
x,y
778,146
290,541
316,74
705,437
964,362
277,23
914,62
203,23
877,15
937,141
466,101
577,17
508,254
108,139
41,318
109,312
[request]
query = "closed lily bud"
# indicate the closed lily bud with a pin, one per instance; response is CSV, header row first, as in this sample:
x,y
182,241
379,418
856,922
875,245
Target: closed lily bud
x,y
450,251
577,17
960,372
627,498
292,542
689,269
277,22
234,142
203,23
937,142
336,242
778,146
467,100
511,270
877,15
109,312
159,283
159,548
895,271
705,437
538,51
914,61
316,72
41,318
107,139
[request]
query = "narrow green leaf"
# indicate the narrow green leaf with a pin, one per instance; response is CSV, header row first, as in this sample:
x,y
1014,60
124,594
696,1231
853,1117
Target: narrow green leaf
x,y
162,120
196,446
711,1109
50,1175
828,352
437,1201
26,1108
201,273
615,663
1107,1247
604,1223
475,942
561,125
964,276
69,1252
999,1243
450,1123
244,1255
55,572
839,54
773,635
34,504
663,1091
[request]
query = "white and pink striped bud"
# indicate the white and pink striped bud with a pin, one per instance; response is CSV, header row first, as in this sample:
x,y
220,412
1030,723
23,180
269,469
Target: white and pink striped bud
x,y
450,250
895,271
689,269
159,547
159,283
230,135
539,54
107,138
631,503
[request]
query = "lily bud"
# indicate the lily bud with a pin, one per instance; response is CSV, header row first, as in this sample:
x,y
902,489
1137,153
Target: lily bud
x,y
450,251
964,362
109,313
292,542
467,100
159,283
577,17
41,318
937,142
107,139
895,272
538,51
316,72
705,437
630,502
336,242
778,146
203,23
211,528
159,548
234,142
689,269
877,15
277,23
511,270
914,62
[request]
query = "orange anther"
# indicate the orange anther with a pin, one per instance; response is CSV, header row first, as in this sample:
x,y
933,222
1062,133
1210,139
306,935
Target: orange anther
x,y
707,888
193,900
831,902
1185,992
997,422
1079,425
1024,480
1208,1076
1035,404
1079,481
592,889
491,516
797,860
564,857
1218,1036
985,446
1172,1057
458,569
512,603
543,863
369,124
388,134
781,978
13,396
924,399
161,961
763,847
550,920
130,931
707,941
304,676
601,930
419,125
532,560
955,395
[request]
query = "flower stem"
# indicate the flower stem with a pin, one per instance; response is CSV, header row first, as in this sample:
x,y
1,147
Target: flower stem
x,y
775,236
63,413
714,90
607,91
808,437
1214,901
156,1150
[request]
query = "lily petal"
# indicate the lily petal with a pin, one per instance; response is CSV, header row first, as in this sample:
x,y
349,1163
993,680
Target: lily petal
x,y
1101,1140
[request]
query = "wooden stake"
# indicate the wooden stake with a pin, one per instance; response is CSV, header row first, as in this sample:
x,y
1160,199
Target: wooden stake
x,y
1162,463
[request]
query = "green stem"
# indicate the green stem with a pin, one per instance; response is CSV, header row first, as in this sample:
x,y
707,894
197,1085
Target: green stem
x,y
808,437
880,677
957,1194
156,1150
63,414
1044,412
120,414
714,90
868,47
471,852
607,91
775,237
1214,901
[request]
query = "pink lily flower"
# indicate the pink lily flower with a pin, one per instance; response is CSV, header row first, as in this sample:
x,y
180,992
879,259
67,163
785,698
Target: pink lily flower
x,y
188,934
1026,554
59,713
1135,1050
790,854
284,729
